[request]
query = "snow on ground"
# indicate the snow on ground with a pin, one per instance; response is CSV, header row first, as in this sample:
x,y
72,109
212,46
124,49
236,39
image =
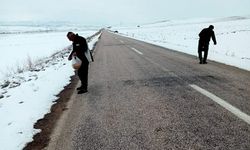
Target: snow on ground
x,y
33,27
232,34
18,49
28,95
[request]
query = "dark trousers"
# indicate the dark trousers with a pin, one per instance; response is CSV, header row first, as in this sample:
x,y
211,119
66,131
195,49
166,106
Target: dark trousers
x,y
203,47
83,74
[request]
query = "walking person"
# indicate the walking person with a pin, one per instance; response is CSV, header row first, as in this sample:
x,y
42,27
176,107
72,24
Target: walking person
x,y
80,49
205,36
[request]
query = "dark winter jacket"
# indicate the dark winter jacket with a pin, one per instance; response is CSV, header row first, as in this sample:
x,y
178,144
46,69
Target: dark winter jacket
x,y
205,36
80,46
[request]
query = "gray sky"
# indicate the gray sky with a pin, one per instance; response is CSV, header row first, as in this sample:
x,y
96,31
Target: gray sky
x,y
105,12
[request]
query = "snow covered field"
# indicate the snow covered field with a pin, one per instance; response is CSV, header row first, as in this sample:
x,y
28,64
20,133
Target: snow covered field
x,y
18,47
31,77
232,34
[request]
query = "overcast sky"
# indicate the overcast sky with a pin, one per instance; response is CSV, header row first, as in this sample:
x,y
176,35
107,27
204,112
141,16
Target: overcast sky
x,y
109,12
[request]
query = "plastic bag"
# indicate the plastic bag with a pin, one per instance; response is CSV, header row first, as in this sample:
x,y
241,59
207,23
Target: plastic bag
x,y
76,62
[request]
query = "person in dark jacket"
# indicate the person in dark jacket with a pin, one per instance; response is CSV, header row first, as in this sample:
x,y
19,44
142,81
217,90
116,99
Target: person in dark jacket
x,y
80,47
205,36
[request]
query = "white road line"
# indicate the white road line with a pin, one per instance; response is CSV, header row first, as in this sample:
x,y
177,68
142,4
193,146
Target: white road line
x,y
121,41
223,103
137,51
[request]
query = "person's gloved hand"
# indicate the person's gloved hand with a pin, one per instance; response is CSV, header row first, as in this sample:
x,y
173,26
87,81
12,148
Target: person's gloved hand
x,y
70,57
74,54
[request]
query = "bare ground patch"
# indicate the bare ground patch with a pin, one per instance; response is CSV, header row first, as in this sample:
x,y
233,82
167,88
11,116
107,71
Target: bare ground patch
x,y
48,123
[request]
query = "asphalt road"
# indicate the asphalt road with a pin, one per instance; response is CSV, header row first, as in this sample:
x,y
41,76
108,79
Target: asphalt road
x,y
143,96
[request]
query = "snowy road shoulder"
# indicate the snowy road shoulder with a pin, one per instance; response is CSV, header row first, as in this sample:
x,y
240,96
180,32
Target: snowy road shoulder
x,y
28,96
28,102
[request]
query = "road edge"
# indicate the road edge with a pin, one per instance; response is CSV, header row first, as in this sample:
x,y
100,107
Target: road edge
x,y
48,123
